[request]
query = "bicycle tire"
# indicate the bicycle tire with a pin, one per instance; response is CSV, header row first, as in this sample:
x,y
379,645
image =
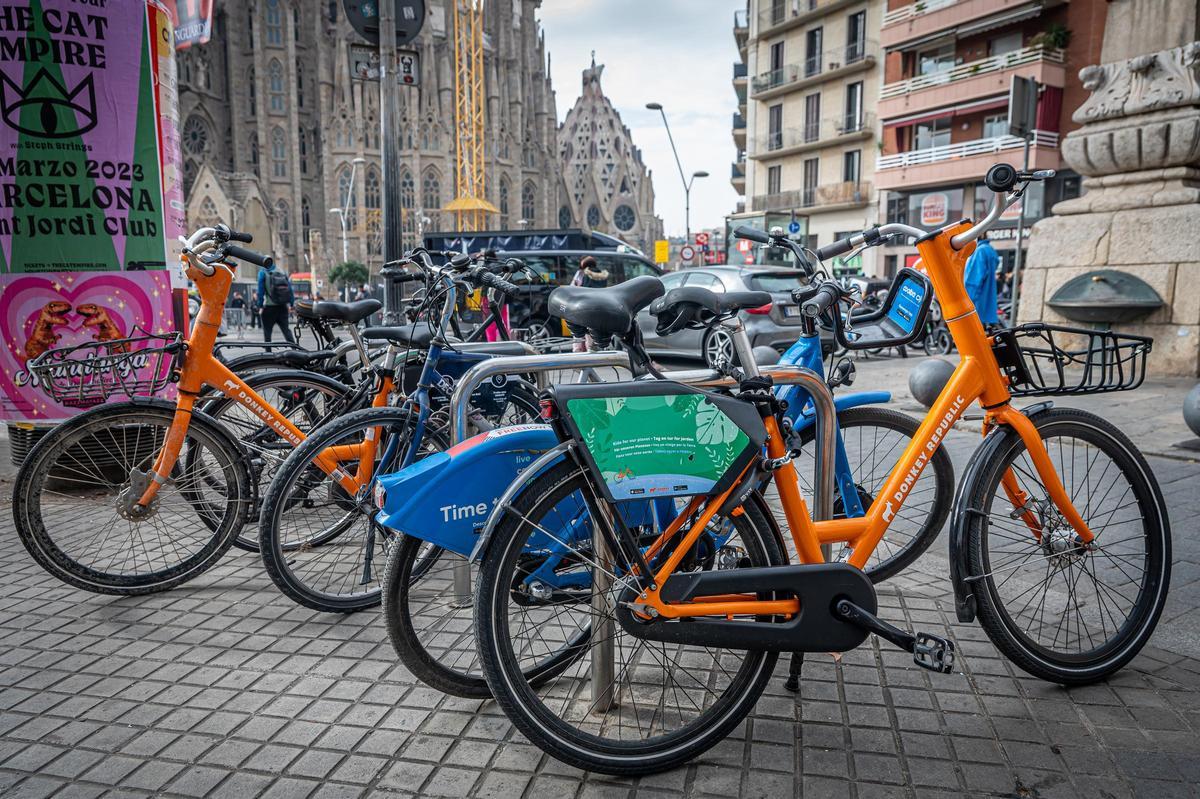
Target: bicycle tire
x,y
280,555
36,471
997,619
542,726
943,486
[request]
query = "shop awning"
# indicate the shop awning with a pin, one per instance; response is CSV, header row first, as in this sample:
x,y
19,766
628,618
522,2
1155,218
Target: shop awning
x,y
1000,101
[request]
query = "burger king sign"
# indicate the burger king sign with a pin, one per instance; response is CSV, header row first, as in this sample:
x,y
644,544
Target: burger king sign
x,y
934,209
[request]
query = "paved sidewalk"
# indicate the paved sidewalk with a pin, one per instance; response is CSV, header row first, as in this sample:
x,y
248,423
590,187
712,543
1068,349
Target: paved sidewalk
x,y
225,688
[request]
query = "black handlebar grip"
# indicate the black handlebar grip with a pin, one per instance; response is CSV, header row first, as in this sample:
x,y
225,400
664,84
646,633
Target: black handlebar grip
x,y
839,247
825,297
752,234
405,277
498,283
250,256
245,238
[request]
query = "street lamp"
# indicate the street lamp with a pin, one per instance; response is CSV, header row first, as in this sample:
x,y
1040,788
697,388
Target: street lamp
x,y
342,212
687,182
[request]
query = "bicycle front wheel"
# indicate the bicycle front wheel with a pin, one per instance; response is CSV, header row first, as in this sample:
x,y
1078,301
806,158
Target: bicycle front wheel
x,y
1061,610
75,500
321,546
621,705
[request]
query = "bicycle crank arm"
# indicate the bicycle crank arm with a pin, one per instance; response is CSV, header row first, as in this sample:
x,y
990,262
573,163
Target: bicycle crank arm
x,y
929,651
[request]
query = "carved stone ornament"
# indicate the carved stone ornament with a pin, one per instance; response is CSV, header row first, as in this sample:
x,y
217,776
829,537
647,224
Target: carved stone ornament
x,y
1153,82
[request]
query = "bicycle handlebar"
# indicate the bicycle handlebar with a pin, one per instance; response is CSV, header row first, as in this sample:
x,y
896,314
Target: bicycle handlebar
x,y
242,254
827,295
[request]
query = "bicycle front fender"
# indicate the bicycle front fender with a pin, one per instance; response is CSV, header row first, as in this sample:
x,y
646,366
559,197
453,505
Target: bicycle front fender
x,y
842,402
446,498
996,441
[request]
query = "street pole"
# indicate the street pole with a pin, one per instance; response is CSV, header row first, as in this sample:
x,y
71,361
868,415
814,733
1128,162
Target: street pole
x,y
389,140
1018,258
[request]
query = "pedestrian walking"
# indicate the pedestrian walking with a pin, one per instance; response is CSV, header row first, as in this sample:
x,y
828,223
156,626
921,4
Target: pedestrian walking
x,y
275,299
980,280
237,304
254,303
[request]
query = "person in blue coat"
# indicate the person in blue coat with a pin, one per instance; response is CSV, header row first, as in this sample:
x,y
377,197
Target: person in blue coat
x,y
980,278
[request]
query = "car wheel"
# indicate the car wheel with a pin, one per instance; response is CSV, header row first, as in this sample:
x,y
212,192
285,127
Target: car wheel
x,y
718,347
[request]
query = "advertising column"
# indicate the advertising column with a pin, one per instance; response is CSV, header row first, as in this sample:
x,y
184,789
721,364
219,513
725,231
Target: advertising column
x,y
90,195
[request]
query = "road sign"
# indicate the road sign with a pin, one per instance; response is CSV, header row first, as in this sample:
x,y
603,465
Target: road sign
x,y
364,64
702,238
793,227
745,245
662,251
686,253
1022,106
363,16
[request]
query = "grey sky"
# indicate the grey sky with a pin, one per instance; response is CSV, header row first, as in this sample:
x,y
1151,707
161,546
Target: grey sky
x,y
675,52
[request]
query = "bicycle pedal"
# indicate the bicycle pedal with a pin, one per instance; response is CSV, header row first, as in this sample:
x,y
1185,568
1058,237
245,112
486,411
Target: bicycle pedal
x,y
933,652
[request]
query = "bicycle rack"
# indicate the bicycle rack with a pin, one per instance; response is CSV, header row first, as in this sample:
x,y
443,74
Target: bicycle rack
x,y
602,653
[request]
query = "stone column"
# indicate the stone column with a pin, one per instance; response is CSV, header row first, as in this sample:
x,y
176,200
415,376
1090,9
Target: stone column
x,y
1138,149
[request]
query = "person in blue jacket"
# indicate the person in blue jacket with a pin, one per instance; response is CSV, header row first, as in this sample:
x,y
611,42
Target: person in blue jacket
x,y
980,279
275,298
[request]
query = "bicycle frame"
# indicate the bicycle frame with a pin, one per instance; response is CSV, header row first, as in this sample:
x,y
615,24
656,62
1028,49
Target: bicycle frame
x,y
201,368
978,377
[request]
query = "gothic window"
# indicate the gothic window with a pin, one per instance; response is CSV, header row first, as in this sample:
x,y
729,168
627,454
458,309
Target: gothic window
x,y
305,218
252,91
431,191
274,23
302,144
296,22
371,193
283,223
250,25
625,186
504,202
345,197
408,191
278,153
528,202
195,135
408,214
374,233
349,136
185,69
275,86
564,217
299,84
208,214
190,168
254,153
593,216
624,218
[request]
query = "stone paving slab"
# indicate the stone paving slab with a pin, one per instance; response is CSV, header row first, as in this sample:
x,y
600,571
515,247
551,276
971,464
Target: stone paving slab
x,y
225,688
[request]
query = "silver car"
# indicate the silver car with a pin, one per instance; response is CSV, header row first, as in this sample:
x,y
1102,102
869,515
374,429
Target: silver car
x,y
776,325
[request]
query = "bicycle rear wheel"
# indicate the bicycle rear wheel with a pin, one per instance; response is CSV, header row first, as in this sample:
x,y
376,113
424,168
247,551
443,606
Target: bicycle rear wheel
x,y
74,502
1061,610
663,703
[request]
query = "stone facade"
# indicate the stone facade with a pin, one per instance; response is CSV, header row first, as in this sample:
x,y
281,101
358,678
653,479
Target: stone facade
x,y
605,186
1139,150
271,117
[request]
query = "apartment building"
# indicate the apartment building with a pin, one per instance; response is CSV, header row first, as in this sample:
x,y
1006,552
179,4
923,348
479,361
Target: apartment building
x,y
943,106
813,71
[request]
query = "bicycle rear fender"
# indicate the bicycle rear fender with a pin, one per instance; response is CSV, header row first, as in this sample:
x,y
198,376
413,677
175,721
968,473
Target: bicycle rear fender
x,y
447,498
842,402
997,439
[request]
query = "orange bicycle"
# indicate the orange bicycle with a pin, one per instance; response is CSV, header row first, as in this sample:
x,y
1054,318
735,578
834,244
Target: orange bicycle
x,y
139,496
1060,541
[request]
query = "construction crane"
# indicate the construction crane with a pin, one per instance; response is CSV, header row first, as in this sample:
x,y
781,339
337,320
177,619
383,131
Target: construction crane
x,y
470,205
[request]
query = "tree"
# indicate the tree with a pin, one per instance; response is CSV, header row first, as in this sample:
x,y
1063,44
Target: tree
x,y
349,273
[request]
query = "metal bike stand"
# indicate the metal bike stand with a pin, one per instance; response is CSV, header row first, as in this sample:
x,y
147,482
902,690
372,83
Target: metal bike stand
x,y
602,653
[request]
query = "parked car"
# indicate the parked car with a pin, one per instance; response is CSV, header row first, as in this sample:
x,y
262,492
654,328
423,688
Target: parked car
x,y
775,325
556,268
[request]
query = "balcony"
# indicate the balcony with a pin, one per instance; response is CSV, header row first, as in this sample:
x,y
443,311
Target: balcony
x,y
739,73
737,176
828,197
741,27
739,130
963,162
834,130
828,65
929,17
781,15
983,78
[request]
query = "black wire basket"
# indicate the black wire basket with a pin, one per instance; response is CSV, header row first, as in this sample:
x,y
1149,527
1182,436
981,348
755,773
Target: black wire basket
x,y
89,374
1041,359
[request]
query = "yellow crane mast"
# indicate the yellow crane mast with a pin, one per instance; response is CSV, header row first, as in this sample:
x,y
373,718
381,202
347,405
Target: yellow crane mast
x,y
470,206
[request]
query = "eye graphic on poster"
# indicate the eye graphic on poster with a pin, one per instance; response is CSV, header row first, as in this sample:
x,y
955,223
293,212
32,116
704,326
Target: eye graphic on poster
x,y
45,95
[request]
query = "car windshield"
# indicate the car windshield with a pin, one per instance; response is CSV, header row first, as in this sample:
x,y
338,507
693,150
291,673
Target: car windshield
x,y
775,282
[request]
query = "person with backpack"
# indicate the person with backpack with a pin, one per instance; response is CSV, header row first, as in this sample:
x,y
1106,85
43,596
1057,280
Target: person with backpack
x,y
275,298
